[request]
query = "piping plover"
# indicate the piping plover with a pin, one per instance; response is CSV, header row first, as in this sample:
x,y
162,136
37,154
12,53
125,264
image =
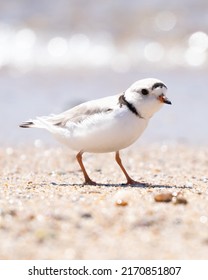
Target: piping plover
x,y
108,124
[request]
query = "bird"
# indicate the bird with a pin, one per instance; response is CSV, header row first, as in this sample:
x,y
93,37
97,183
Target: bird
x,y
107,124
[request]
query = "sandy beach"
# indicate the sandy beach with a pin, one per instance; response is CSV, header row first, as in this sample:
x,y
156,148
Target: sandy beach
x,y
46,213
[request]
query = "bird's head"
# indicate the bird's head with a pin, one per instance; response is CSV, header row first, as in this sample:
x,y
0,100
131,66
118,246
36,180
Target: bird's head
x,y
148,96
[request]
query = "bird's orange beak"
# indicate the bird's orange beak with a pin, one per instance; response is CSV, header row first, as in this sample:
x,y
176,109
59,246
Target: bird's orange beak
x,y
162,98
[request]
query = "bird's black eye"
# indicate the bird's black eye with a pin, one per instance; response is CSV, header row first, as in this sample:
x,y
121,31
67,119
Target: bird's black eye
x,y
144,91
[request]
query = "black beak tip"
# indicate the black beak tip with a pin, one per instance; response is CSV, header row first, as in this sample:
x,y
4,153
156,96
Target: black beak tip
x,y
168,102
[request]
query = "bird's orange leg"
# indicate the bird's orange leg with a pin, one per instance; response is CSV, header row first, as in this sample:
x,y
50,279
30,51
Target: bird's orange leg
x,y
130,181
88,181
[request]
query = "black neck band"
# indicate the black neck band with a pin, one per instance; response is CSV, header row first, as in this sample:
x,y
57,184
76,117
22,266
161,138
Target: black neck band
x,y
122,101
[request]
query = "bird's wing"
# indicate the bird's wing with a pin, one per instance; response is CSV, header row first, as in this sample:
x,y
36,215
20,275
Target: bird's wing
x,y
81,112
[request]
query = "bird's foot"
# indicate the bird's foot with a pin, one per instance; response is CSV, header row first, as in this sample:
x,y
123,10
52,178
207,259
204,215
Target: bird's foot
x,y
133,182
89,182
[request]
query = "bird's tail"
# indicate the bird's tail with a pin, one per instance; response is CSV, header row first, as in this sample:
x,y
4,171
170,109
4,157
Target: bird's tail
x,y
47,123
27,124
39,122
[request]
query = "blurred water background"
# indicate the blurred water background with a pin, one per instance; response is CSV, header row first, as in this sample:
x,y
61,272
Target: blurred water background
x,y
56,54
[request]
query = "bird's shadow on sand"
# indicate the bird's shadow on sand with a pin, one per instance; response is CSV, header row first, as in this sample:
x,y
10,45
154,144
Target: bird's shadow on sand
x,y
139,185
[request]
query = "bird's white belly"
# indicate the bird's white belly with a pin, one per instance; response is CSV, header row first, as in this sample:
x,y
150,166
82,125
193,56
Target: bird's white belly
x,y
104,133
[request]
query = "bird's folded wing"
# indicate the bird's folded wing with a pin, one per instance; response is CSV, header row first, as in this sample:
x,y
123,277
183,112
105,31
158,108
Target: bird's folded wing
x,y
84,110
